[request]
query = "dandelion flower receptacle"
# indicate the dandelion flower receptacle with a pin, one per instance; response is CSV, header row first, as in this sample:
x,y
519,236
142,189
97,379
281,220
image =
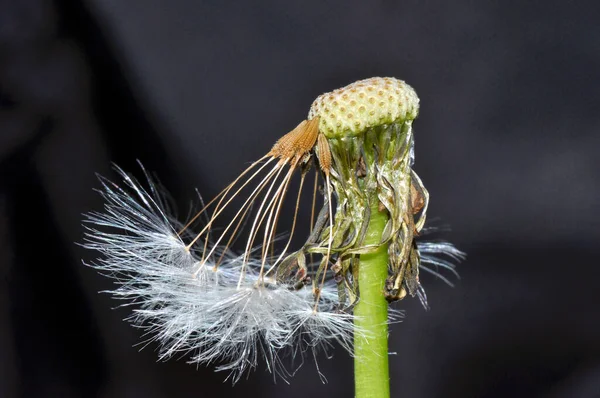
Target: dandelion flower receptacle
x,y
195,293
368,126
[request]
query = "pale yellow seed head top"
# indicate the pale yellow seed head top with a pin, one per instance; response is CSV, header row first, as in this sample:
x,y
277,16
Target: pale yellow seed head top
x,y
350,110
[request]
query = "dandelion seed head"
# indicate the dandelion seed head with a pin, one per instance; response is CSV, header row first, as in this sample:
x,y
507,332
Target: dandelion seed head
x,y
195,296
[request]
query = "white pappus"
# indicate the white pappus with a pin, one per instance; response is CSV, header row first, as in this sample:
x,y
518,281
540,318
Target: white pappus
x,y
204,310
225,315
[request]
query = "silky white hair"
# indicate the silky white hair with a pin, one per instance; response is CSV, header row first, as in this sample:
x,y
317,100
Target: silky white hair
x,y
228,315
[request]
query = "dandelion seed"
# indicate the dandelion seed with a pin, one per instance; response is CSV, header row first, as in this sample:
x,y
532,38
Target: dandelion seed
x,y
195,295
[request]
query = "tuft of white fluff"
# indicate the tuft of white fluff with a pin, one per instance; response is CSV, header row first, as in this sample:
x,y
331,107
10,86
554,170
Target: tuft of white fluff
x,y
440,255
204,310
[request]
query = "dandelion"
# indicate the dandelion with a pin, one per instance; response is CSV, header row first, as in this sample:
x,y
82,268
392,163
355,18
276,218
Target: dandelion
x,y
193,292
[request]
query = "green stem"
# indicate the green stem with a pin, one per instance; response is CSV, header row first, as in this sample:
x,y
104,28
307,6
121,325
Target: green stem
x,y
371,373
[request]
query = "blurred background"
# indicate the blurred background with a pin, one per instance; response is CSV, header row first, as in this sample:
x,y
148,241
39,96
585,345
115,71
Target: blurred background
x,y
507,143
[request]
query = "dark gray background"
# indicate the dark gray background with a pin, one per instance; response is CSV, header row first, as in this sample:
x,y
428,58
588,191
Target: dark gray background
x,y
507,144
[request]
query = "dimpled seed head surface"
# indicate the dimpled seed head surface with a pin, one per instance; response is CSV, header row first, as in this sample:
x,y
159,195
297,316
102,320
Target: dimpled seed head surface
x,y
350,110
